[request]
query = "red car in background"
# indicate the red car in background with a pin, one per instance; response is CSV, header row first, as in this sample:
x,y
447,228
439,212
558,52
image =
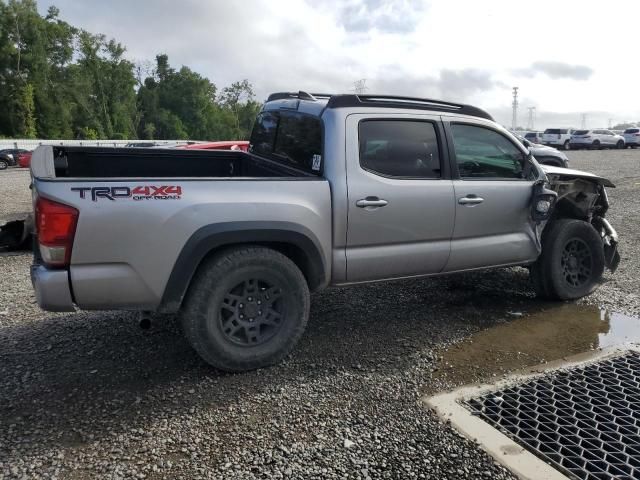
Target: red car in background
x,y
24,159
222,145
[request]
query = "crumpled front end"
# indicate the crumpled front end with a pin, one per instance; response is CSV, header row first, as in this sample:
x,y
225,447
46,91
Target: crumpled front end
x,y
583,196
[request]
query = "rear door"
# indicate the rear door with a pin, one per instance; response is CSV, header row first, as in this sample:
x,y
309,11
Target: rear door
x,y
400,194
493,198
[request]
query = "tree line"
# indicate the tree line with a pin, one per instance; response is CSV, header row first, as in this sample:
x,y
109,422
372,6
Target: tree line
x,y
60,81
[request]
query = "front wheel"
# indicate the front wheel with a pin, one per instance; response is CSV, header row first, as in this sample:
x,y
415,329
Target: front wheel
x,y
3,164
572,261
566,145
246,308
620,144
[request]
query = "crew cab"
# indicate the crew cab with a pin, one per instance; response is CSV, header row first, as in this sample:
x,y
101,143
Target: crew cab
x,y
334,190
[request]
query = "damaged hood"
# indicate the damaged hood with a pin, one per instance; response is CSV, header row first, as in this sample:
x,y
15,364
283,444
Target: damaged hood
x,y
558,173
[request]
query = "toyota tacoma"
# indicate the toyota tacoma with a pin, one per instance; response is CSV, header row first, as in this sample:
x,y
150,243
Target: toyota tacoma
x,y
333,190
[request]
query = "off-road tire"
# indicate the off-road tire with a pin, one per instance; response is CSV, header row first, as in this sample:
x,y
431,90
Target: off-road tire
x,y
206,308
568,242
4,164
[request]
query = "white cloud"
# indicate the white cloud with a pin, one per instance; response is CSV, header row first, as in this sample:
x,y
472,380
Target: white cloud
x,y
576,58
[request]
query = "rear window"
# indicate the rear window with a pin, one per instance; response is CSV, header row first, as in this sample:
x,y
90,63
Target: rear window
x,y
632,130
556,131
292,138
399,148
531,135
581,132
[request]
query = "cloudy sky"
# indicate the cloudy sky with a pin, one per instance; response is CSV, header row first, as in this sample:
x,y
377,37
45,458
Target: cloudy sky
x,y
567,57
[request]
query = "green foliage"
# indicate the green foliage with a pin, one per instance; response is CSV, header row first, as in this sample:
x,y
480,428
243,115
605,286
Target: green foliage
x,y
58,81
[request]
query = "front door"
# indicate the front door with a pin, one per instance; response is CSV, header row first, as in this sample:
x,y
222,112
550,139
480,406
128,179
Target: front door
x,y
401,207
492,200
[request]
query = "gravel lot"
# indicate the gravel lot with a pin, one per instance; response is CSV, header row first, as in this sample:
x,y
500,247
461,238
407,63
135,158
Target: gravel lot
x,y
91,395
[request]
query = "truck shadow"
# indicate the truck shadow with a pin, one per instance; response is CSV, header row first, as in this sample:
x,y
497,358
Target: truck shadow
x,y
67,380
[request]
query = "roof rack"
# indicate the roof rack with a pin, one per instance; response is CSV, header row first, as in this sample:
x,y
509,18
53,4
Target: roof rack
x,y
298,95
385,101
393,101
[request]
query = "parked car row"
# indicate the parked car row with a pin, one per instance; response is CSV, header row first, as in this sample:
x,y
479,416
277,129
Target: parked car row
x,y
569,138
10,157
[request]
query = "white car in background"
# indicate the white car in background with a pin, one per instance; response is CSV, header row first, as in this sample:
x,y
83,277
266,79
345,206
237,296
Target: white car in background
x,y
596,139
632,137
534,137
557,137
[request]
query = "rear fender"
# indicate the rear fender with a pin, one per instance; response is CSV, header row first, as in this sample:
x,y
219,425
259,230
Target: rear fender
x,y
213,237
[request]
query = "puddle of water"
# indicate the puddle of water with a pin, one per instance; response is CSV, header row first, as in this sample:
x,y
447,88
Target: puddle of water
x,y
549,334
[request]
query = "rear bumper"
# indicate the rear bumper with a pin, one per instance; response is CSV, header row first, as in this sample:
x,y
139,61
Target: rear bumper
x,y
53,292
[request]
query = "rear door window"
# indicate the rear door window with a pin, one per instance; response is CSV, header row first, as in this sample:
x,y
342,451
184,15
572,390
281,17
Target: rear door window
x,y
484,153
291,138
400,148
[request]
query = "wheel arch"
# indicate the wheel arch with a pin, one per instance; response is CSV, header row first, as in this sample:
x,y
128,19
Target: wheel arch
x,y
294,241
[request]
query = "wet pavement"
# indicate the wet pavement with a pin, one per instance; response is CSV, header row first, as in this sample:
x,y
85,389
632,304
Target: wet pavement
x,y
552,332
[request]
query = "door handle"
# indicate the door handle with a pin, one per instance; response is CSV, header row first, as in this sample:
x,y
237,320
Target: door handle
x,y
470,200
371,202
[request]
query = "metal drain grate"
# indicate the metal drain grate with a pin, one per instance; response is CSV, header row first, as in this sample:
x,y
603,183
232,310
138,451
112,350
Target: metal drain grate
x,y
585,421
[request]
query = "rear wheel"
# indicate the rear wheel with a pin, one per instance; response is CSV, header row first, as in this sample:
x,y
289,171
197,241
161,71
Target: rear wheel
x,y
595,145
572,261
3,164
247,307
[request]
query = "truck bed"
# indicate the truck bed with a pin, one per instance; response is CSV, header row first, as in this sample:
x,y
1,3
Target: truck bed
x,y
101,162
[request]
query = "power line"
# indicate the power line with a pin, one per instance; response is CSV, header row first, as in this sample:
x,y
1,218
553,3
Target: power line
x,y
532,118
360,86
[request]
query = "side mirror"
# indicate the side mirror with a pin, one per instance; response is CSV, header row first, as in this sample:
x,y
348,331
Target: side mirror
x,y
526,142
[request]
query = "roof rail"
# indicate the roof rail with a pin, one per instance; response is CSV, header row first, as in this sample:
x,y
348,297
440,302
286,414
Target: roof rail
x,y
393,101
385,101
301,95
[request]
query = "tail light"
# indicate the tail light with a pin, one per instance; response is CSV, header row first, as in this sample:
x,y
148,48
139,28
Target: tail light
x,y
56,227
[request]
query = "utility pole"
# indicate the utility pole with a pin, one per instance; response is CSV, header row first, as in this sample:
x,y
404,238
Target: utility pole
x,y
360,86
583,121
610,123
514,118
532,118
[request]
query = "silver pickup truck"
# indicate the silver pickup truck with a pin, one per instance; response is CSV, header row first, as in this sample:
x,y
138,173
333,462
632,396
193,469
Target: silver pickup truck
x,y
335,190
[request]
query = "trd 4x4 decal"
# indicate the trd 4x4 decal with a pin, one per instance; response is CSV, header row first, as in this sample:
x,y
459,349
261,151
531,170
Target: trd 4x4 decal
x,y
141,192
